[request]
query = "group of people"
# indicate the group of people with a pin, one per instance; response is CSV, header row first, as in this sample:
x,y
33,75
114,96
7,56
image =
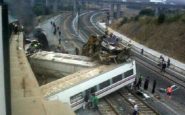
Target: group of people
x,y
15,28
90,101
56,29
164,64
139,81
34,47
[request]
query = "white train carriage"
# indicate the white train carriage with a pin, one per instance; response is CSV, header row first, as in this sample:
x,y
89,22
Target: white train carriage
x,y
59,64
101,80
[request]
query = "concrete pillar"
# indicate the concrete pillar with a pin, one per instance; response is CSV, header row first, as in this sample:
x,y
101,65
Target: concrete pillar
x,y
118,13
55,6
112,10
32,2
83,4
74,7
156,11
46,3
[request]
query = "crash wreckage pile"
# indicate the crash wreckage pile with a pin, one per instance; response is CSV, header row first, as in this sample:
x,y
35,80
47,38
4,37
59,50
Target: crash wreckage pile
x,y
107,48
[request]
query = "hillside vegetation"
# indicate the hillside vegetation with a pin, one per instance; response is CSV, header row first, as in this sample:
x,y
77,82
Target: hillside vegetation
x,y
164,33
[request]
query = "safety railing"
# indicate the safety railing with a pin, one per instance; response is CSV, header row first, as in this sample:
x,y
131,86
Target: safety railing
x,y
155,59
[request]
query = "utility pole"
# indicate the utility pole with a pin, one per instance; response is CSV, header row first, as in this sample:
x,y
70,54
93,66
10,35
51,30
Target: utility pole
x,y
46,3
78,13
74,7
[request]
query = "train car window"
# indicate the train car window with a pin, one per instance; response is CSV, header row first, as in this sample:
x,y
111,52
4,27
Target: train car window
x,y
76,97
91,90
117,78
129,73
104,84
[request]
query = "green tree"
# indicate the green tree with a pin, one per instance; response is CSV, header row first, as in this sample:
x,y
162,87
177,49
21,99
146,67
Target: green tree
x,y
161,18
38,10
124,20
146,12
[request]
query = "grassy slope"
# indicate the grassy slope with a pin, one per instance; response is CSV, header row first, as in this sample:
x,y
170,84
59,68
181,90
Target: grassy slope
x,y
167,38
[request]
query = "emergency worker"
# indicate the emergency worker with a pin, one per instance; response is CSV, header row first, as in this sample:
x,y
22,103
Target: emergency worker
x,y
94,102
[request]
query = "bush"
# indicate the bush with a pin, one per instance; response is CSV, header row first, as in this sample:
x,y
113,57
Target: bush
x,y
136,18
173,18
161,18
38,10
124,20
147,12
183,18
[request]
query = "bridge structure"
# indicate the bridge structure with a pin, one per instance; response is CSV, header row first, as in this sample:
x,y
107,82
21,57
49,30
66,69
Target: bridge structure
x,y
115,5
26,96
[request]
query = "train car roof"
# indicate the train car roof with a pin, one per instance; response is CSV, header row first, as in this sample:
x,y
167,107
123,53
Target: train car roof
x,y
74,79
64,58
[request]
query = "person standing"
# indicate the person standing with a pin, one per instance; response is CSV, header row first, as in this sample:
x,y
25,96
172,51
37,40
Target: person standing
x,y
146,83
86,100
154,85
136,109
168,63
59,33
142,51
135,84
139,81
163,67
77,51
161,60
95,102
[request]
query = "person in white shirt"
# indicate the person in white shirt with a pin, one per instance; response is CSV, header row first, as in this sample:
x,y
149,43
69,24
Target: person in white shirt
x,y
136,109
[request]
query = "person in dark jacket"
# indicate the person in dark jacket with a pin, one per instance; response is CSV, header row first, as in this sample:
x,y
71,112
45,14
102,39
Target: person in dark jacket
x,y
140,81
146,83
168,62
142,51
86,100
163,67
154,85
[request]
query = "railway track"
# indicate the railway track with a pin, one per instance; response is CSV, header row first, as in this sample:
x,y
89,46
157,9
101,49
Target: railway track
x,y
131,98
113,104
122,102
68,33
105,108
69,40
88,27
119,104
174,79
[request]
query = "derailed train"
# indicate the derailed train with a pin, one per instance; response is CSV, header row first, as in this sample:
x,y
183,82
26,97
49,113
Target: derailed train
x,y
100,81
